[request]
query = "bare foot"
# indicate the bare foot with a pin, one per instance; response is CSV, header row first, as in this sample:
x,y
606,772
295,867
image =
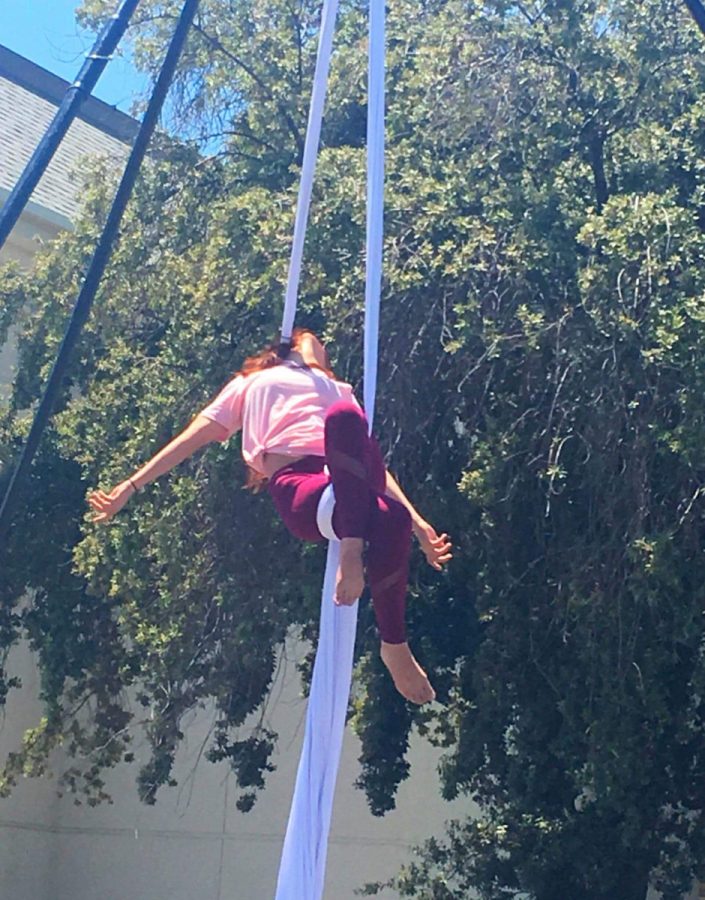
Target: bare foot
x,y
351,577
408,676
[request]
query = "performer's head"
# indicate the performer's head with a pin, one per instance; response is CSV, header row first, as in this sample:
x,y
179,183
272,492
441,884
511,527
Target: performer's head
x,y
304,346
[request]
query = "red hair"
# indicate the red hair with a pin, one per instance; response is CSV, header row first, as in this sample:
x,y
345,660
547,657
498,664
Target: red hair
x,y
267,359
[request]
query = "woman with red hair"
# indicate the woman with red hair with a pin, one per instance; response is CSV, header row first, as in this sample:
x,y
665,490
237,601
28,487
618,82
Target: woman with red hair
x,y
303,430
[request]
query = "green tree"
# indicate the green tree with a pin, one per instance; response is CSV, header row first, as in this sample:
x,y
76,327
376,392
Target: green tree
x,y
542,363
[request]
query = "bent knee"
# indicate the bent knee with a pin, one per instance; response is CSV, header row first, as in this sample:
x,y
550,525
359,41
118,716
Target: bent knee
x,y
344,414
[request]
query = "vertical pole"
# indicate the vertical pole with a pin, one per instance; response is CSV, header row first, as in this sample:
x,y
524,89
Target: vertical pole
x,y
76,95
98,263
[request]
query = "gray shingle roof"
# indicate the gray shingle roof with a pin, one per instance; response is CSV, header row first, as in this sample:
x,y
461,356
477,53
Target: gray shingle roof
x,y
29,97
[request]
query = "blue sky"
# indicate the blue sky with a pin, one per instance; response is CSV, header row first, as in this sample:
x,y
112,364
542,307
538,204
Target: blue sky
x,y
46,32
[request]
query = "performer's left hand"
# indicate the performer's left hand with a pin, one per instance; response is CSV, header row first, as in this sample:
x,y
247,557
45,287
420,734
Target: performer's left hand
x,y
436,548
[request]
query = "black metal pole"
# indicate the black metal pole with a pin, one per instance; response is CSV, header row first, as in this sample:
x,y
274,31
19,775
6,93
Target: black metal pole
x,y
76,95
98,263
698,13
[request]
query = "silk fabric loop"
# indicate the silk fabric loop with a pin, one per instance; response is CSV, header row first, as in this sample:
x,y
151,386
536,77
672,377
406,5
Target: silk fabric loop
x,y
324,514
303,862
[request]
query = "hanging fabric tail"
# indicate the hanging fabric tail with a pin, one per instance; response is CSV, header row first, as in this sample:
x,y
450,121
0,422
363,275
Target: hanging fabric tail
x,y
302,869
303,863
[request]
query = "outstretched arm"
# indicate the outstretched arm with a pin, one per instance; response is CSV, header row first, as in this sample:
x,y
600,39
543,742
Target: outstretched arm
x,y
436,548
200,432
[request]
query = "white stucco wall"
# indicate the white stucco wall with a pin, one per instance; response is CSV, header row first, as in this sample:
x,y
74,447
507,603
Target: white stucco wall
x,y
194,843
31,232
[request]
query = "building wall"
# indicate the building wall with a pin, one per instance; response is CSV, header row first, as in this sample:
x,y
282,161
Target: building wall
x,y
194,842
29,98
29,234
25,115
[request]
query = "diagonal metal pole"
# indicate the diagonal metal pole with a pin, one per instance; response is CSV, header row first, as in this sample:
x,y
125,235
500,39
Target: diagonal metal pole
x,y
75,97
698,13
98,263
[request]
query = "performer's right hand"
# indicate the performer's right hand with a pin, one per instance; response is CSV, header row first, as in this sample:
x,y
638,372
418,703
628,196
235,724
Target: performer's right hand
x,y
106,505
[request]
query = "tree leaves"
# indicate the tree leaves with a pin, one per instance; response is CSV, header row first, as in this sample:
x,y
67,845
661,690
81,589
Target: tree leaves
x,y
542,348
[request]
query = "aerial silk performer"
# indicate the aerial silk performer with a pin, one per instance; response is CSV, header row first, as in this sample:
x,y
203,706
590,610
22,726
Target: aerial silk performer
x,y
303,430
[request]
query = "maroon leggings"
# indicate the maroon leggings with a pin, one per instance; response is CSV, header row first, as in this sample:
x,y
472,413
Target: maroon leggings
x,y
361,509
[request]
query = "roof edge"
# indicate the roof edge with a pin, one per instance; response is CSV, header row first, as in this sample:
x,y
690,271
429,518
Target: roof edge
x,y
50,87
50,216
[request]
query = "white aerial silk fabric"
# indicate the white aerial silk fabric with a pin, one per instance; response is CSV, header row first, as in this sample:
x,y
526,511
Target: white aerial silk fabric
x,y
324,514
375,201
302,867
308,167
